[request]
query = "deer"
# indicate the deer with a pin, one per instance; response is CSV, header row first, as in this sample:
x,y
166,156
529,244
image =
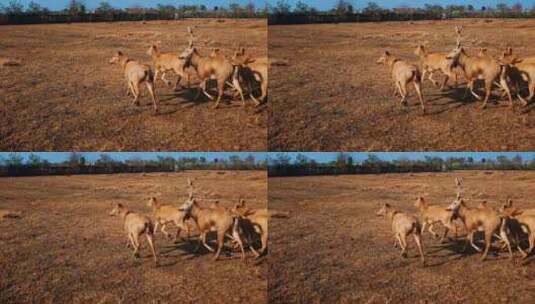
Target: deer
x,y
402,74
210,67
433,62
208,219
403,225
522,221
432,214
520,69
135,225
480,219
164,62
252,69
474,67
165,214
136,74
257,220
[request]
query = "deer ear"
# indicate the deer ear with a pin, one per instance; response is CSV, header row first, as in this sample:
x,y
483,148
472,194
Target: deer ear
x,y
509,202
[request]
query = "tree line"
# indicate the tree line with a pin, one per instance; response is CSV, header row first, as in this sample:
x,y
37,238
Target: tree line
x,y
15,12
343,11
16,165
284,165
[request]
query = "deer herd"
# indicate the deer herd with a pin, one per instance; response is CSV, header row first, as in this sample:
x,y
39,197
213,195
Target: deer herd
x,y
236,71
507,72
239,223
507,224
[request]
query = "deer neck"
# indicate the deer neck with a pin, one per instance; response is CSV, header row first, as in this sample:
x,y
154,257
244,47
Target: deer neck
x,y
196,58
391,214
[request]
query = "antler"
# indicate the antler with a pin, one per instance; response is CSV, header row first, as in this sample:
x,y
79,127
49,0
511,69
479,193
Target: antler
x,y
458,30
191,36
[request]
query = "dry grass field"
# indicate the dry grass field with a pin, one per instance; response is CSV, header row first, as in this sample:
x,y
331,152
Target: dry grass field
x,y
336,250
65,95
66,249
333,96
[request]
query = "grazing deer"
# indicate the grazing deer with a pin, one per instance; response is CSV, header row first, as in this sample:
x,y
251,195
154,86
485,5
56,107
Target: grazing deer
x,y
432,62
165,214
520,69
164,62
474,68
403,225
135,225
480,219
432,214
136,74
252,69
403,73
211,67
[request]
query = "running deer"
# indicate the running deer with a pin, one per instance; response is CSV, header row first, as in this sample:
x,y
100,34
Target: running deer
x,y
520,70
403,225
252,69
164,214
211,67
475,67
402,74
208,219
433,62
164,62
432,214
480,219
136,74
135,225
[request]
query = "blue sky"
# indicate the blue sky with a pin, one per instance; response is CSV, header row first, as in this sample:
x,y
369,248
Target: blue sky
x,y
91,4
92,156
330,156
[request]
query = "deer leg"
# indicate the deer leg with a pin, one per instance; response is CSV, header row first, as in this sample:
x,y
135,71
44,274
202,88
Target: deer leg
x,y
236,236
488,240
151,245
165,231
418,242
220,242
444,82
135,242
419,93
430,229
155,101
220,90
402,92
403,244
203,239
488,88
237,86
503,234
167,82
135,91
177,83
430,77
505,87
